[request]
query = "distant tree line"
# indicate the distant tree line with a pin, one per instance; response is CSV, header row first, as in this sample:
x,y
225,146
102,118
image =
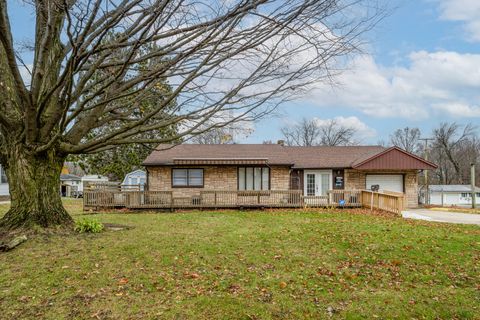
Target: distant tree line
x,y
311,132
452,146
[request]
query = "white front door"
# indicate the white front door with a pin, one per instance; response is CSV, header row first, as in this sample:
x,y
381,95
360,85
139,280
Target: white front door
x,y
317,182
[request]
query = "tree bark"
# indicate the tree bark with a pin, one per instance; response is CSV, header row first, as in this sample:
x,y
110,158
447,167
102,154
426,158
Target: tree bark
x,y
34,182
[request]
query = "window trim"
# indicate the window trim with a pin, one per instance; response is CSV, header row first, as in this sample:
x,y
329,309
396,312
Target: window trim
x,y
261,178
188,178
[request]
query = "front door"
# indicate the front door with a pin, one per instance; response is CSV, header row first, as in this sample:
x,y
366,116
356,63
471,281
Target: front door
x,y
317,183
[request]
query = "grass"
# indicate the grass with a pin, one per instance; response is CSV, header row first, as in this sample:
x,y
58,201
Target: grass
x,y
246,265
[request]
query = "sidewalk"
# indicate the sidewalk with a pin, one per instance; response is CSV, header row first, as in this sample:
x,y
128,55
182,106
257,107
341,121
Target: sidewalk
x,y
441,216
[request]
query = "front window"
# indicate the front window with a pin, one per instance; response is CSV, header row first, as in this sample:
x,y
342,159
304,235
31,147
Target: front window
x,y
187,177
466,195
253,178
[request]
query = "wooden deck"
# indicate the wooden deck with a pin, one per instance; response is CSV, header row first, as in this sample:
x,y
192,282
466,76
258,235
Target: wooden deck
x,y
100,199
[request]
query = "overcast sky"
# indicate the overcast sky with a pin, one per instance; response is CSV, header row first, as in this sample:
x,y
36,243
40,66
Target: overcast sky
x,y
422,68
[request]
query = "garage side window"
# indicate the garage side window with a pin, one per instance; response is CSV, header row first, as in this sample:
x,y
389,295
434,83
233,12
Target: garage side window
x,y
187,178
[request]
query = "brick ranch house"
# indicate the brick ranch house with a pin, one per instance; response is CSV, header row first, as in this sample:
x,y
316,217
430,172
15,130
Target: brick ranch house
x,y
187,169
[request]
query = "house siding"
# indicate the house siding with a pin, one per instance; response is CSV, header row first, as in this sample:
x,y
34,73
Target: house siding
x,y
356,180
214,178
451,199
4,192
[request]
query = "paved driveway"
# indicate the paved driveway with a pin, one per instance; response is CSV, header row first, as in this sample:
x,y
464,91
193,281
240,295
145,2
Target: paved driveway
x,y
442,216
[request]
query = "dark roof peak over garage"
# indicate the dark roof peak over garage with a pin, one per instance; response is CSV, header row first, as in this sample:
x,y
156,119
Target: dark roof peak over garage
x,y
394,158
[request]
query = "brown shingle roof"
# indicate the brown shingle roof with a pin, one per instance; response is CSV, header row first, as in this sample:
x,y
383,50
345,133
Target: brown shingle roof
x,y
168,155
298,157
323,157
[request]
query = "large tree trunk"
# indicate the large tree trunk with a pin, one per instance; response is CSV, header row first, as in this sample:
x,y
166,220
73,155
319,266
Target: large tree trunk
x,y
34,182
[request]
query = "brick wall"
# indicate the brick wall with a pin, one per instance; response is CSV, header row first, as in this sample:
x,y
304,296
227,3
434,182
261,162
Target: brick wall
x,y
356,180
279,178
215,178
411,189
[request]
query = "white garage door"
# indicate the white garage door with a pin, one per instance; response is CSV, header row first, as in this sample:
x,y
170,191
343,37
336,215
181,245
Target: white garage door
x,y
387,182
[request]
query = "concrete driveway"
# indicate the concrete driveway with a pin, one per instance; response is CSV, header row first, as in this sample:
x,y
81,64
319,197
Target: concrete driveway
x,y
441,216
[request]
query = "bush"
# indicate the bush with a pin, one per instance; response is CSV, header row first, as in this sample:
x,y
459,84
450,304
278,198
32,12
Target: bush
x,y
88,226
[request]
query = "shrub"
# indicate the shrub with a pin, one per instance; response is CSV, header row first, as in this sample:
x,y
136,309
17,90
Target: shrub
x,y
88,226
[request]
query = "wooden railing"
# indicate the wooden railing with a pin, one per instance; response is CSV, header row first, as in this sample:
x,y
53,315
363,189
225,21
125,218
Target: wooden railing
x,y
206,199
98,199
273,198
335,198
110,186
391,201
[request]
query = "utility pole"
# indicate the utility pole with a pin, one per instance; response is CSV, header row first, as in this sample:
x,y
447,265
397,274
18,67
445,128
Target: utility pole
x,y
425,172
472,179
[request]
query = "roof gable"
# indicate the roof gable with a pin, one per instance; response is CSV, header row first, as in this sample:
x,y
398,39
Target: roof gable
x,y
394,158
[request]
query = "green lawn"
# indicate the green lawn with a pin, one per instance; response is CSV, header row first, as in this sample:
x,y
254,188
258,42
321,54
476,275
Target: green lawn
x,y
246,265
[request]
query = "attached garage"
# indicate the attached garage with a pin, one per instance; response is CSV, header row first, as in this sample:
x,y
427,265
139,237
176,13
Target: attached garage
x,y
387,182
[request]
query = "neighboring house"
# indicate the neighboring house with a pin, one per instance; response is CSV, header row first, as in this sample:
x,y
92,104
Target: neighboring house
x,y
453,195
4,191
92,178
70,185
188,168
135,178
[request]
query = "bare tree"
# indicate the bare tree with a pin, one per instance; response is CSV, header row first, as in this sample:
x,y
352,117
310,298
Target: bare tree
x,y
96,60
304,133
453,149
214,136
336,134
313,133
407,139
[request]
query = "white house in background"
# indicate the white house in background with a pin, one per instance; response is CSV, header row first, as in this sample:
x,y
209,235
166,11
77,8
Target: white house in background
x,y
137,177
453,195
91,178
70,185
4,191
